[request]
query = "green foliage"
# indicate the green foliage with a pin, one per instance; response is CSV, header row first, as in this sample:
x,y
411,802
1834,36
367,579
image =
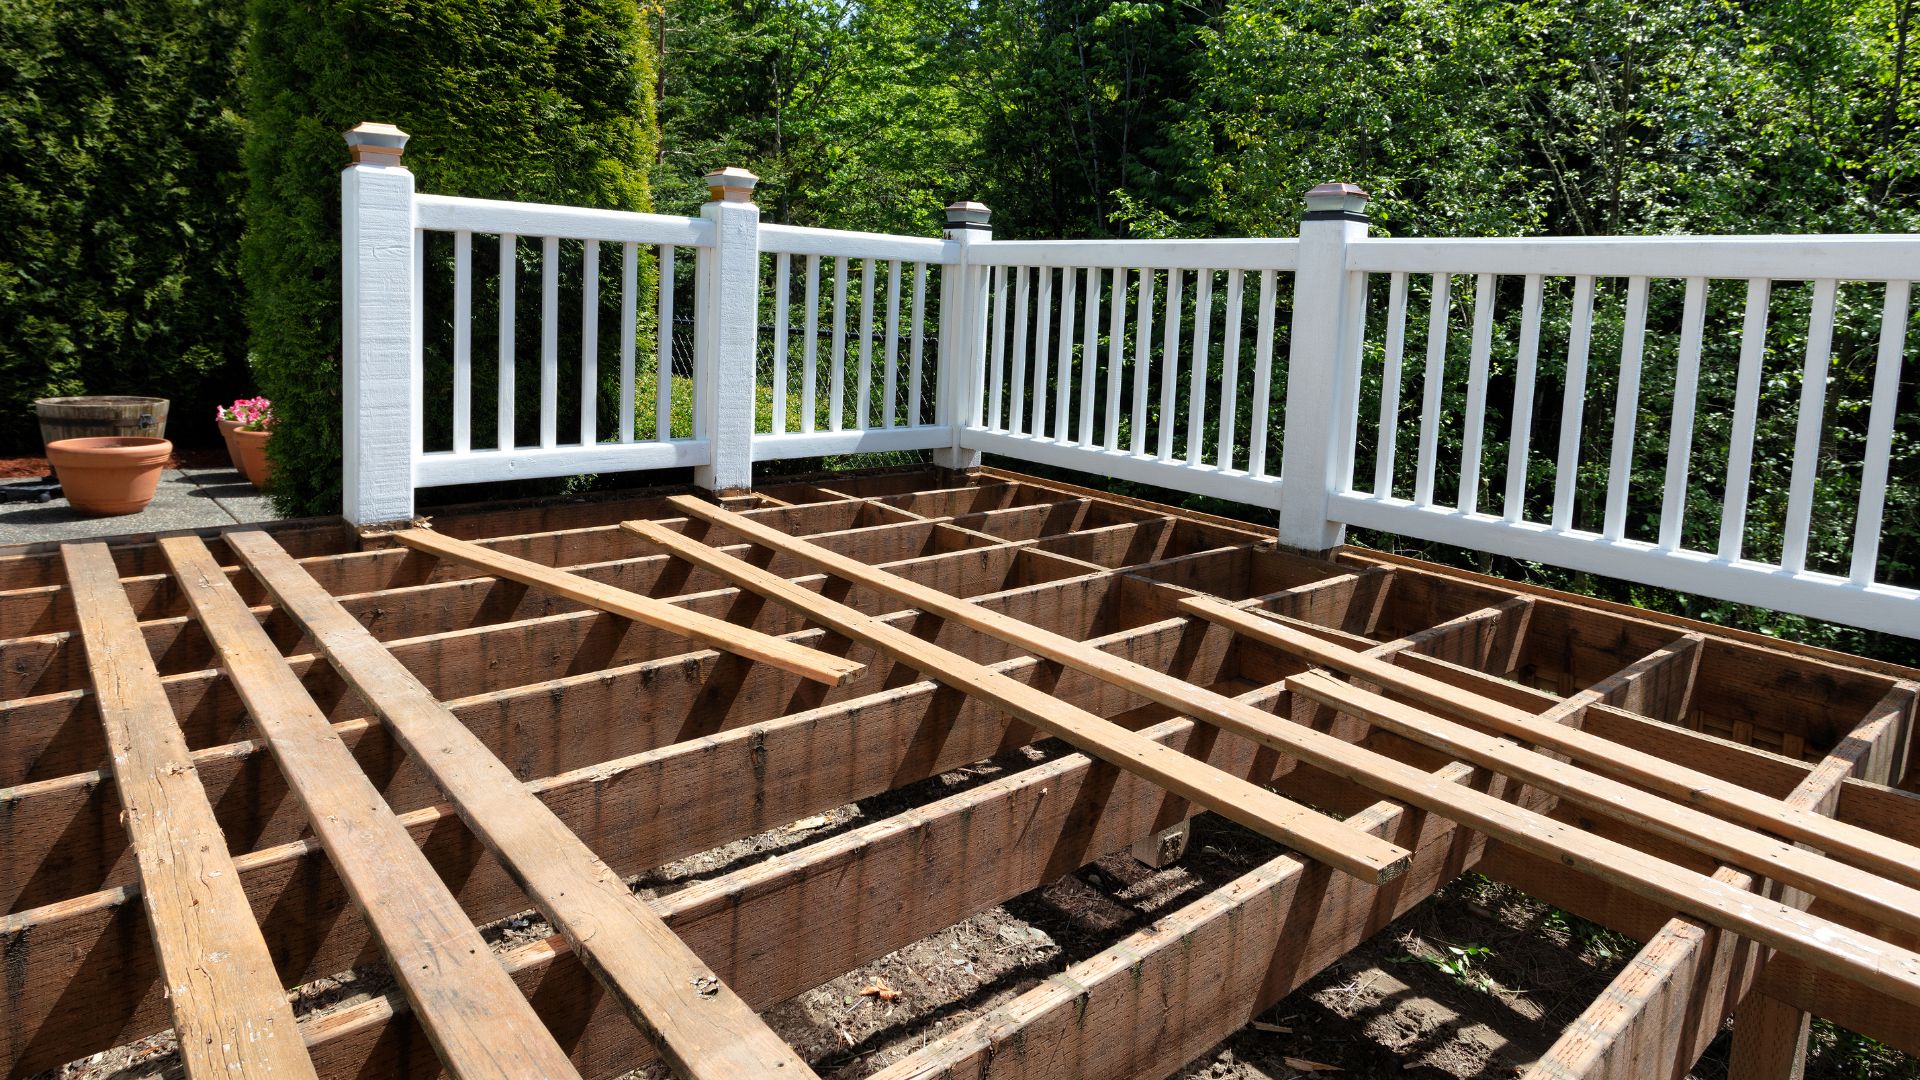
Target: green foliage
x,y
1557,116
528,99
119,187
854,115
1078,97
1462,963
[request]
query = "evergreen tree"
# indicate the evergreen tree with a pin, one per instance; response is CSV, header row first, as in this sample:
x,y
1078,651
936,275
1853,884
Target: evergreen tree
x,y
535,100
120,185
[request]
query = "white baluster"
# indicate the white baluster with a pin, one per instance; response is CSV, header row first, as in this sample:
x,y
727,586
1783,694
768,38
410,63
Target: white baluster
x,y
590,344
1197,380
1262,373
1116,347
1478,358
1520,438
629,329
549,341
1879,449
509,275
1746,407
837,370
1230,371
663,351
1806,443
1686,385
1436,377
1142,354
1573,403
462,341
1169,364
810,349
1017,386
891,384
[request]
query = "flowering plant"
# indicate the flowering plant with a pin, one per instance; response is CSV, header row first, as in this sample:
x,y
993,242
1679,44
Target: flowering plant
x,y
254,414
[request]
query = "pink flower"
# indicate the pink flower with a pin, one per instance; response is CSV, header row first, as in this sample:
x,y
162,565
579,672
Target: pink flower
x,y
254,414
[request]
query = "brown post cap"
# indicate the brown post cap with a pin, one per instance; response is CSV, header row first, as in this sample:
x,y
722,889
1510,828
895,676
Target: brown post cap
x,y
375,144
969,215
1337,199
731,185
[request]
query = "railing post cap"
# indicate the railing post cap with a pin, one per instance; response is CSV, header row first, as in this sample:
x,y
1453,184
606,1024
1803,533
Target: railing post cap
x,y
731,184
1337,199
375,144
968,214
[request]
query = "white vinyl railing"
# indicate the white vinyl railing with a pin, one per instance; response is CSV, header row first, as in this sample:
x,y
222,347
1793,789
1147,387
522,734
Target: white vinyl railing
x,y
510,225
1238,369
1731,558
875,319
1113,409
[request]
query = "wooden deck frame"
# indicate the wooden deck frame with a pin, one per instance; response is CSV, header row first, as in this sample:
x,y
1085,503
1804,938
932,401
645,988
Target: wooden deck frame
x,y
1075,561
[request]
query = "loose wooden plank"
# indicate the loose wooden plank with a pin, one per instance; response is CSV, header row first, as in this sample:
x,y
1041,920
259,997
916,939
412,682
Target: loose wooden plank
x,y
1661,1011
1859,956
717,633
472,1011
1882,855
642,801
1877,898
788,923
1362,856
700,1026
229,1008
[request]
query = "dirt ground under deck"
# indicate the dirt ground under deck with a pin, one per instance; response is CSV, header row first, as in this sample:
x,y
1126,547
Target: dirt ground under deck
x,y
1473,984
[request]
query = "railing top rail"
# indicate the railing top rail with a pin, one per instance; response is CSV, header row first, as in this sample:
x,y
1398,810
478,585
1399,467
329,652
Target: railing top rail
x,y
1786,258
450,213
1251,253
799,240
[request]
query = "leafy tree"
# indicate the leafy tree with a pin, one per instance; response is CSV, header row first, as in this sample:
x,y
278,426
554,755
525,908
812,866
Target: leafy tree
x,y
852,114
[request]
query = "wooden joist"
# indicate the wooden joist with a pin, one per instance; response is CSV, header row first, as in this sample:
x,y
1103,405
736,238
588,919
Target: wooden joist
x,y
1885,901
1146,1005
699,1025
87,963
1660,1012
1881,900
717,633
1882,855
1856,955
229,1008
1356,853
479,1023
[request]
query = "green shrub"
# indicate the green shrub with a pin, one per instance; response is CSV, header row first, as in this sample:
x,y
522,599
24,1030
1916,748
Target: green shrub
x,y
120,184
523,99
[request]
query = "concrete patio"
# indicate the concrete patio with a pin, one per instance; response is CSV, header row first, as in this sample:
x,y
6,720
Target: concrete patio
x,y
188,498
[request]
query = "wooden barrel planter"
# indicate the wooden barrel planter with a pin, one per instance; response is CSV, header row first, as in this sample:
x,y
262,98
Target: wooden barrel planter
x,y
106,415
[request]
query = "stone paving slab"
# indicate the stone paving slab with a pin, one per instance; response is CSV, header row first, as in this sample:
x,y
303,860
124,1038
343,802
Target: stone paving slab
x,y
187,499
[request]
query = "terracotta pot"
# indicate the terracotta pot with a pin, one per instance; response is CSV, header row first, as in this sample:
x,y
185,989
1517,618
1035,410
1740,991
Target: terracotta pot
x,y
110,474
250,453
227,428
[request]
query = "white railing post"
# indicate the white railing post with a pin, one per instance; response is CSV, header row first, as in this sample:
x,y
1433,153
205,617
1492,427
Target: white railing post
x,y
379,323
1321,368
727,330
963,333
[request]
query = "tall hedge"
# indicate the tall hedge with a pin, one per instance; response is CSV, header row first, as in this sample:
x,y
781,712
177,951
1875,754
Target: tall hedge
x,y
514,99
120,185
